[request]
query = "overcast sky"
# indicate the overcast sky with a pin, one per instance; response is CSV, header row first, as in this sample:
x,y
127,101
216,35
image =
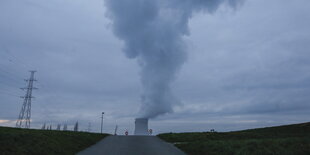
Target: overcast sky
x,y
246,67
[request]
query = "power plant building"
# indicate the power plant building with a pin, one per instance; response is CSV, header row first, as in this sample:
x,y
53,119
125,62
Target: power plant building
x,y
141,126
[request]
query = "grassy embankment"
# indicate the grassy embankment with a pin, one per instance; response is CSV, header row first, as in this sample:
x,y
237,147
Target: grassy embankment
x,y
39,142
281,140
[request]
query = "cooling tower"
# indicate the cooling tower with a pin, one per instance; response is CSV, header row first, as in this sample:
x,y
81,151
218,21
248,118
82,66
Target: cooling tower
x,y
141,126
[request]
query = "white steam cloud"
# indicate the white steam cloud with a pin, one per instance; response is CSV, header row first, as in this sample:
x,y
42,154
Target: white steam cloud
x,y
152,31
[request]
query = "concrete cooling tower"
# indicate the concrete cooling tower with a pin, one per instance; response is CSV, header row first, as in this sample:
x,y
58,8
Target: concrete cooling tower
x,y
141,126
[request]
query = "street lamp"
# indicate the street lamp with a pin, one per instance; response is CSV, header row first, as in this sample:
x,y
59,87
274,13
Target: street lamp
x,y
101,121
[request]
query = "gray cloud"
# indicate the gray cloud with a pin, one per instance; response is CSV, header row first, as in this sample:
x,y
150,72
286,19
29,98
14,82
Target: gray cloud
x,y
152,32
245,68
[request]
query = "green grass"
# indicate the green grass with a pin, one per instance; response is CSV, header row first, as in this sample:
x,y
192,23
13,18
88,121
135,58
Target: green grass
x,y
39,142
282,140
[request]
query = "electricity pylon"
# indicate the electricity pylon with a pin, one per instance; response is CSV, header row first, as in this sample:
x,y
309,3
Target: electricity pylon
x,y
25,113
65,127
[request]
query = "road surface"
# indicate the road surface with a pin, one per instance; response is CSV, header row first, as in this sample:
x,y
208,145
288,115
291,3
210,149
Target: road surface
x,y
132,145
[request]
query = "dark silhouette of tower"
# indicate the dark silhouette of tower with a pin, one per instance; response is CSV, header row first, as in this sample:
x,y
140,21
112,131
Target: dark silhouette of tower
x,y
25,113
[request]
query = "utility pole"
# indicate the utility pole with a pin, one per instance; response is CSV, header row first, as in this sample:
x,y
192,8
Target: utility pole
x,y
25,113
43,127
58,127
65,127
101,121
89,127
115,130
76,126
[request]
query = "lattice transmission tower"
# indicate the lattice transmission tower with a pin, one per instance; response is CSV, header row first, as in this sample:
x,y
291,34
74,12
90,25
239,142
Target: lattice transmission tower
x,y
25,113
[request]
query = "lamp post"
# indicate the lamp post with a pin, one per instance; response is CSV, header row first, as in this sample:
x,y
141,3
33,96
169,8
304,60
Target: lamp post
x,y
101,121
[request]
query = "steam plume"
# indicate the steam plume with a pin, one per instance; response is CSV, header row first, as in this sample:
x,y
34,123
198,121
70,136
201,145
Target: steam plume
x,y
152,32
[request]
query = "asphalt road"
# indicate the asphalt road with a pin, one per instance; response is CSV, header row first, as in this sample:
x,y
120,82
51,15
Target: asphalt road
x,y
132,145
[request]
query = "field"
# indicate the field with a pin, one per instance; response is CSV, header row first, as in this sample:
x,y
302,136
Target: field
x,y
281,140
39,142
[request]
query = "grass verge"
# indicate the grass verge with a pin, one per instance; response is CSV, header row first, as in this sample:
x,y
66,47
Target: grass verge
x,y
281,140
47,142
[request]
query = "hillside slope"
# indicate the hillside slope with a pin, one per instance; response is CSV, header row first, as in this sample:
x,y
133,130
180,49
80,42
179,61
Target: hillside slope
x,y
38,142
282,140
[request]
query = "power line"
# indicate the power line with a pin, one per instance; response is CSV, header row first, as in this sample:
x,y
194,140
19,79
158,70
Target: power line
x,y
7,90
6,84
14,77
13,59
6,93
20,61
